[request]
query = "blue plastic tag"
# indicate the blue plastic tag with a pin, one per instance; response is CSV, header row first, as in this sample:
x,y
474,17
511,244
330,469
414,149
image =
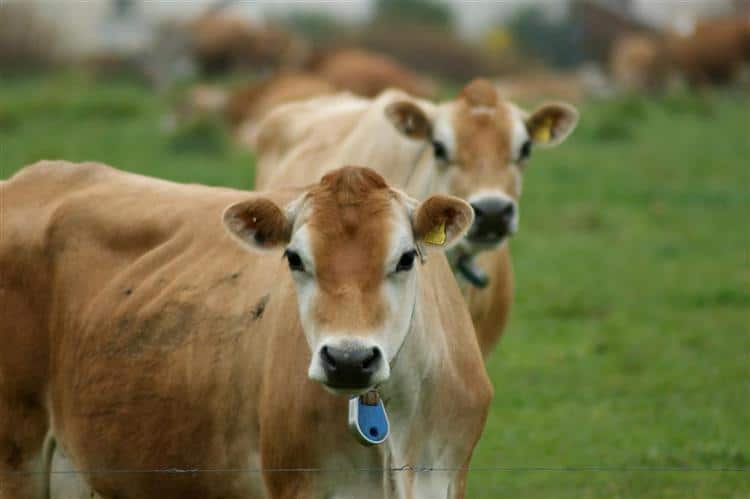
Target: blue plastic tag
x,y
367,419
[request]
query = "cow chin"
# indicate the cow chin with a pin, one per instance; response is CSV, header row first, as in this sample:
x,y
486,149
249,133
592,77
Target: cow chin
x,y
346,392
473,245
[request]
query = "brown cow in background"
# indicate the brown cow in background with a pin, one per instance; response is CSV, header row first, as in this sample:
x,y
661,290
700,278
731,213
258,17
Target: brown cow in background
x,y
541,85
639,63
221,43
358,71
247,105
255,100
715,52
368,73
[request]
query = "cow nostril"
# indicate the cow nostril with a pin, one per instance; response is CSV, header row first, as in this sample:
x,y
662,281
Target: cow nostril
x,y
328,359
509,210
372,359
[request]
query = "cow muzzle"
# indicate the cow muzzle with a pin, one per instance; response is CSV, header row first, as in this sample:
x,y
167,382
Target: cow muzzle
x,y
495,219
349,365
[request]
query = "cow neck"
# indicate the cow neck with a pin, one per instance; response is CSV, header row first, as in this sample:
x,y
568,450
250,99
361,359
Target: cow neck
x,y
411,387
410,364
414,166
406,337
461,262
414,183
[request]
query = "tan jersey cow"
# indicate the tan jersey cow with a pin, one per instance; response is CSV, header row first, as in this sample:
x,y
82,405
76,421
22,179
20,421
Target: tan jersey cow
x,y
474,147
139,333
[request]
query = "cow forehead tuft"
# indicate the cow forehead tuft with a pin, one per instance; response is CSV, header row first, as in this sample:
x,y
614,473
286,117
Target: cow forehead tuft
x,y
352,182
350,199
480,93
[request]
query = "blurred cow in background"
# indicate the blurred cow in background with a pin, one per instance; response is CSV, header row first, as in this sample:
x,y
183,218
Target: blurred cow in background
x,y
639,63
715,51
702,52
544,84
358,71
247,105
368,73
222,42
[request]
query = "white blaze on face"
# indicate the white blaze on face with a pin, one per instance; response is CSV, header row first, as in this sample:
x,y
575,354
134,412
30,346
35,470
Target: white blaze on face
x,y
399,288
519,133
520,136
440,170
397,292
443,131
307,286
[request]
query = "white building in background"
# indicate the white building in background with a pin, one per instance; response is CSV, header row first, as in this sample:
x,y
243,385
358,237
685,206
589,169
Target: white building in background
x,y
475,16
89,25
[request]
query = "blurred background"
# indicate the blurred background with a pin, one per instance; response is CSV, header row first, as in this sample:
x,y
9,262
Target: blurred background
x,y
627,360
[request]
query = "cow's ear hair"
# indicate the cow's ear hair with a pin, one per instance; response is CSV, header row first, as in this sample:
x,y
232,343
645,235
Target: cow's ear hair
x,y
441,221
258,224
551,123
409,119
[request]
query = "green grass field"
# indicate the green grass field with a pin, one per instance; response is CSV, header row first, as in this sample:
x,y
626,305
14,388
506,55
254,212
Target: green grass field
x,y
629,345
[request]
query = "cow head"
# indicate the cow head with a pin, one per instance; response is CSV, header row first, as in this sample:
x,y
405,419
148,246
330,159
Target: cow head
x,y
480,144
353,247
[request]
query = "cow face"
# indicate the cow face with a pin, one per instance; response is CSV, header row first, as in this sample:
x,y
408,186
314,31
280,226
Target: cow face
x,y
353,248
479,146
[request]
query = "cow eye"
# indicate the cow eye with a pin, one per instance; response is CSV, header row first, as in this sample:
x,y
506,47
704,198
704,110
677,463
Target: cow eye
x,y
525,151
294,260
406,262
439,150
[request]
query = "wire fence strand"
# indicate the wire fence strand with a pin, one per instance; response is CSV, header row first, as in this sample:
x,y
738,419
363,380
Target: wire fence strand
x,y
404,468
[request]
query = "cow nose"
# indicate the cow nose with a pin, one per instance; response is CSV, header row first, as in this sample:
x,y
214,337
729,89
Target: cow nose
x,y
350,366
494,219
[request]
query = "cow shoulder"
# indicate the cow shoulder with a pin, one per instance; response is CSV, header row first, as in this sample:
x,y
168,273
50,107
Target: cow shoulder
x,y
302,121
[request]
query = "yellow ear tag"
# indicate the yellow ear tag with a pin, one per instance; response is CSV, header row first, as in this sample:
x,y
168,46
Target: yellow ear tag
x,y
436,236
543,132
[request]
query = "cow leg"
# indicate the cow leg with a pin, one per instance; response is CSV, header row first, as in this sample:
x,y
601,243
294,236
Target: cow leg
x,y
23,428
292,485
24,421
67,485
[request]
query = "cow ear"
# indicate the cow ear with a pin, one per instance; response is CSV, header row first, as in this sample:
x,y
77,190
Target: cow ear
x,y
551,124
440,221
409,119
258,224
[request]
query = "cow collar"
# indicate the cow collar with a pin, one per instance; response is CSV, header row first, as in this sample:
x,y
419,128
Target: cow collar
x,y
473,273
